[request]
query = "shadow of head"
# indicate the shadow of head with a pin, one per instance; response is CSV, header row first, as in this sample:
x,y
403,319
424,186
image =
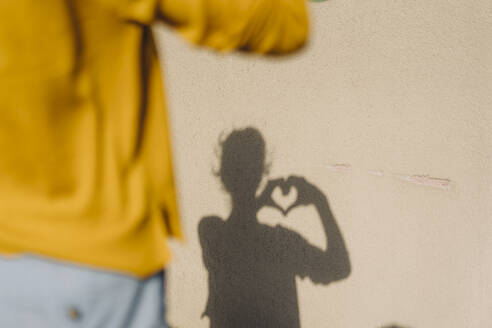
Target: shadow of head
x,y
242,162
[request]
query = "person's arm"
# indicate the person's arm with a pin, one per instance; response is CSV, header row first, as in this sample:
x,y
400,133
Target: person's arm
x,y
333,263
262,26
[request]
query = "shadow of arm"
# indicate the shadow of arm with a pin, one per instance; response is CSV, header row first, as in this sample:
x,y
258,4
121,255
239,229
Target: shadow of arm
x,y
207,231
333,263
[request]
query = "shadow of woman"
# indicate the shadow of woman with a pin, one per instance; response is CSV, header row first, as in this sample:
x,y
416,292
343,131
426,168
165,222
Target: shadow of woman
x,y
252,266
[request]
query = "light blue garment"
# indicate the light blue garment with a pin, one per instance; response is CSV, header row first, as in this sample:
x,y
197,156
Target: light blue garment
x,y
41,293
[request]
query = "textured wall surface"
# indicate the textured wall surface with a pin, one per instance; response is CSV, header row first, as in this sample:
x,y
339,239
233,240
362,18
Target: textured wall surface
x,y
388,112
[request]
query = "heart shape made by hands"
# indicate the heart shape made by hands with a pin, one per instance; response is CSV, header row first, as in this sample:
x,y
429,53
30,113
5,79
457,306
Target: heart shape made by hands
x,y
283,198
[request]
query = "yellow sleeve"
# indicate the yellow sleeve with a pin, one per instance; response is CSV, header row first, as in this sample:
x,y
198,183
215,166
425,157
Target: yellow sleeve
x,y
263,26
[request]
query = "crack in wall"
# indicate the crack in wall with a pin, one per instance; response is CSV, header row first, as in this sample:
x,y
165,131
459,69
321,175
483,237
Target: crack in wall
x,y
417,179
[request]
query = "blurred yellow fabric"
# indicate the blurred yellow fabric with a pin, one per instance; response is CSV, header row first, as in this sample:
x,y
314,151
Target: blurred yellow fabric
x,y
85,159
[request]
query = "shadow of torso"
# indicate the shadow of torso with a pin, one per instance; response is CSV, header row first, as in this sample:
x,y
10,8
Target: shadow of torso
x,y
252,269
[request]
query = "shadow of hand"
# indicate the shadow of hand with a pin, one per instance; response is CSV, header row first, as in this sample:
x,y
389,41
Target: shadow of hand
x,y
307,193
265,199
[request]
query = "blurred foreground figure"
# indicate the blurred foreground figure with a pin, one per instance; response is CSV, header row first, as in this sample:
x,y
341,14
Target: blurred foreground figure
x,y
87,198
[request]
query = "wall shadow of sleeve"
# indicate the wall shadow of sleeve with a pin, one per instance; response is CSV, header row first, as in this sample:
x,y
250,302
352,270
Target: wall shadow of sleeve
x,y
251,266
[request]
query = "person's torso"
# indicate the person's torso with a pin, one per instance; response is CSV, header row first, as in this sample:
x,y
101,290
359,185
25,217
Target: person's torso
x,y
80,107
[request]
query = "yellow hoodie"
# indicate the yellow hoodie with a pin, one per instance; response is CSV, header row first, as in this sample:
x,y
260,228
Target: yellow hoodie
x,y
85,158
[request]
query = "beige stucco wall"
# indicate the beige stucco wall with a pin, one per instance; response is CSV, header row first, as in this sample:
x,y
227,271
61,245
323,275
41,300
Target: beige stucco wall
x,y
388,111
